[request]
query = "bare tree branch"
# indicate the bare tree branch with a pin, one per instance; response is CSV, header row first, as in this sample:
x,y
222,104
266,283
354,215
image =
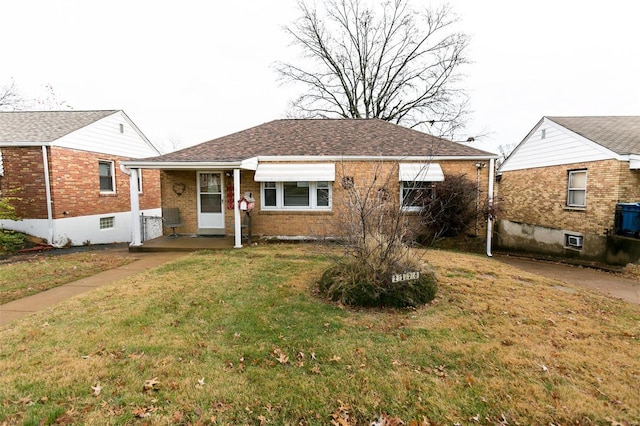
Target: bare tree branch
x,y
395,64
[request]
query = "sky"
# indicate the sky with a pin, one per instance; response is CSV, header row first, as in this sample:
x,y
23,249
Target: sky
x,y
193,70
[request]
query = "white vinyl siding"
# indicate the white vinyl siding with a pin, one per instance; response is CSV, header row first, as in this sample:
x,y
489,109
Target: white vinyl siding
x,y
559,146
104,136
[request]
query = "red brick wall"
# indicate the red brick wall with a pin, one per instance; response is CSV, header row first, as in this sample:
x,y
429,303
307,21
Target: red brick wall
x,y
74,180
24,174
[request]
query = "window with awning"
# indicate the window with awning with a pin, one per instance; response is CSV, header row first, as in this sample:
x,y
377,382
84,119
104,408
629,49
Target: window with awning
x,y
417,183
421,172
295,186
306,172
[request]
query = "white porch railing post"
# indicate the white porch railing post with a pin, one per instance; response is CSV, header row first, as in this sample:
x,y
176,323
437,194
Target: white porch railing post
x,y
236,208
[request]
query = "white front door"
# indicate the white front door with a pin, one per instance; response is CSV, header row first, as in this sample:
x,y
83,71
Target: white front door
x,y
210,202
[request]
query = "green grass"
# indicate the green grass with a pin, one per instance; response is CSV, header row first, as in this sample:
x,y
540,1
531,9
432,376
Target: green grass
x,y
248,323
42,272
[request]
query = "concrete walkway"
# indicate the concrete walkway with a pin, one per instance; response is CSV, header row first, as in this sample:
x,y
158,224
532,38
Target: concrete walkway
x,y
21,307
592,279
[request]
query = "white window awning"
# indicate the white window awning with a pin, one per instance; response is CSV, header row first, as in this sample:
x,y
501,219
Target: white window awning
x,y
300,172
421,172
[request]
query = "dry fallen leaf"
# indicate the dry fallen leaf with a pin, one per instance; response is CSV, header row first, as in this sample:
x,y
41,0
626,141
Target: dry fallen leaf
x,y
96,389
150,384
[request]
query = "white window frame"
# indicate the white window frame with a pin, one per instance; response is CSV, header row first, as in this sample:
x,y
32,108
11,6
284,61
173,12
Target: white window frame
x,y
313,197
571,190
108,222
112,172
403,184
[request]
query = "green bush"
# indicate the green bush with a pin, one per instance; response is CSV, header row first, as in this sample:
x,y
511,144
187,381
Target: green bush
x,y
356,285
11,242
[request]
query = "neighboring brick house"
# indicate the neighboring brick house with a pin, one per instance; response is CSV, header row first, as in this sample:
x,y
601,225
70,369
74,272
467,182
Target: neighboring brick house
x,y
294,169
561,187
65,168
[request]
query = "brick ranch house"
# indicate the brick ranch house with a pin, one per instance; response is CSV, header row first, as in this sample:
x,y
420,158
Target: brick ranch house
x,y
565,188
293,169
65,168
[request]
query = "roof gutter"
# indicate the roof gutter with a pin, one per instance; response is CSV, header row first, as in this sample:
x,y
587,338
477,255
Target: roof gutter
x,y
252,162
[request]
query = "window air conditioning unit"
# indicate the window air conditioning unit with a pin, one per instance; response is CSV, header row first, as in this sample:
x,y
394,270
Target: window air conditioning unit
x,y
574,241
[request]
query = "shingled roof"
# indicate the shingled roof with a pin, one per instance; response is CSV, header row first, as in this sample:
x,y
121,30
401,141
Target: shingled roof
x,y
620,134
321,137
45,126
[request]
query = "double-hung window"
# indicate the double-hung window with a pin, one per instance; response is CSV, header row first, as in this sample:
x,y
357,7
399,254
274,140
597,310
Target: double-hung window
x,y
107,176
416,194
417,181
298,195
577,188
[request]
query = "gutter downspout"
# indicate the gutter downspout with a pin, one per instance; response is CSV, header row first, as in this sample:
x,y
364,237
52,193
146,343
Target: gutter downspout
x,y
490,205
136,239
47,188
236,209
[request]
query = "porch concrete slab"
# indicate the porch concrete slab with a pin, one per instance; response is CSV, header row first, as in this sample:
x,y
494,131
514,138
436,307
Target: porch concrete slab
x,y
185,243
21,307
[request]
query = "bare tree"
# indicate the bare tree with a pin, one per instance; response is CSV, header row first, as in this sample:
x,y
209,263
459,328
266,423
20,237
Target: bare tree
x,y
10,99
397,65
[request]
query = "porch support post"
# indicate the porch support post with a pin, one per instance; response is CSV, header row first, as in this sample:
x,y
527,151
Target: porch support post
x,y
236,209
136,238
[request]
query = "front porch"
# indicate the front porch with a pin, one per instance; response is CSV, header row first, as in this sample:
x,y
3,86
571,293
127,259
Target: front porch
x,y
185,243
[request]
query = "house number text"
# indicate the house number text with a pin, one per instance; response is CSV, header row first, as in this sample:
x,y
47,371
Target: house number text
x,y
407,276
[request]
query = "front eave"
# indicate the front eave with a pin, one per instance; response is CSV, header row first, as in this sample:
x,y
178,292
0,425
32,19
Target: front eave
x,y
251,163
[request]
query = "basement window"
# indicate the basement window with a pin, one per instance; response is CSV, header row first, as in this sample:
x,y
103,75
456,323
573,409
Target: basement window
x,y
107,222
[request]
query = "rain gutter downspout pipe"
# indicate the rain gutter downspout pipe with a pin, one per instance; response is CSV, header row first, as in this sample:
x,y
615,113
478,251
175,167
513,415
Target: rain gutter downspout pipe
x,y
47,188
490,206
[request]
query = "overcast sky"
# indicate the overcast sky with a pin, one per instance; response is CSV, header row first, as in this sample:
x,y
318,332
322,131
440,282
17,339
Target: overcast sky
x,y
190,71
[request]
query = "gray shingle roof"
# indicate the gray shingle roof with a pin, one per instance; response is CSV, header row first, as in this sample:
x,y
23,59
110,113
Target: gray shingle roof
x,y
44,126
620,134
321,137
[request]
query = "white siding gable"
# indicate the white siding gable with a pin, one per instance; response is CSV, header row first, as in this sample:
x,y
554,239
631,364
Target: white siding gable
x,y
114,134
550,144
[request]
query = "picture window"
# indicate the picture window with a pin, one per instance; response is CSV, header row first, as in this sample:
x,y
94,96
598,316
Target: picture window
x,y
300,195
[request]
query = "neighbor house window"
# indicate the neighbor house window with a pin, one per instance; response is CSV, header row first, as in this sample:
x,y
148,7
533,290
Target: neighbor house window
x,y
107,176
301,195
415,194
107,222
577,188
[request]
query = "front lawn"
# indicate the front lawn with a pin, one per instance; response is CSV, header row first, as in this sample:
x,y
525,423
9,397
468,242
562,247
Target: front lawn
x,y
44,271
239,337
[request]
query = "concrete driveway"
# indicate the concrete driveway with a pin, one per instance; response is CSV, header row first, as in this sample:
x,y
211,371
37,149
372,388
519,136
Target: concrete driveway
x,y
604,282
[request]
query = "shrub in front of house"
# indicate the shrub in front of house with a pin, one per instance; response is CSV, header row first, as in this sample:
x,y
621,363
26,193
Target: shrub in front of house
x,y
11,242
354,285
